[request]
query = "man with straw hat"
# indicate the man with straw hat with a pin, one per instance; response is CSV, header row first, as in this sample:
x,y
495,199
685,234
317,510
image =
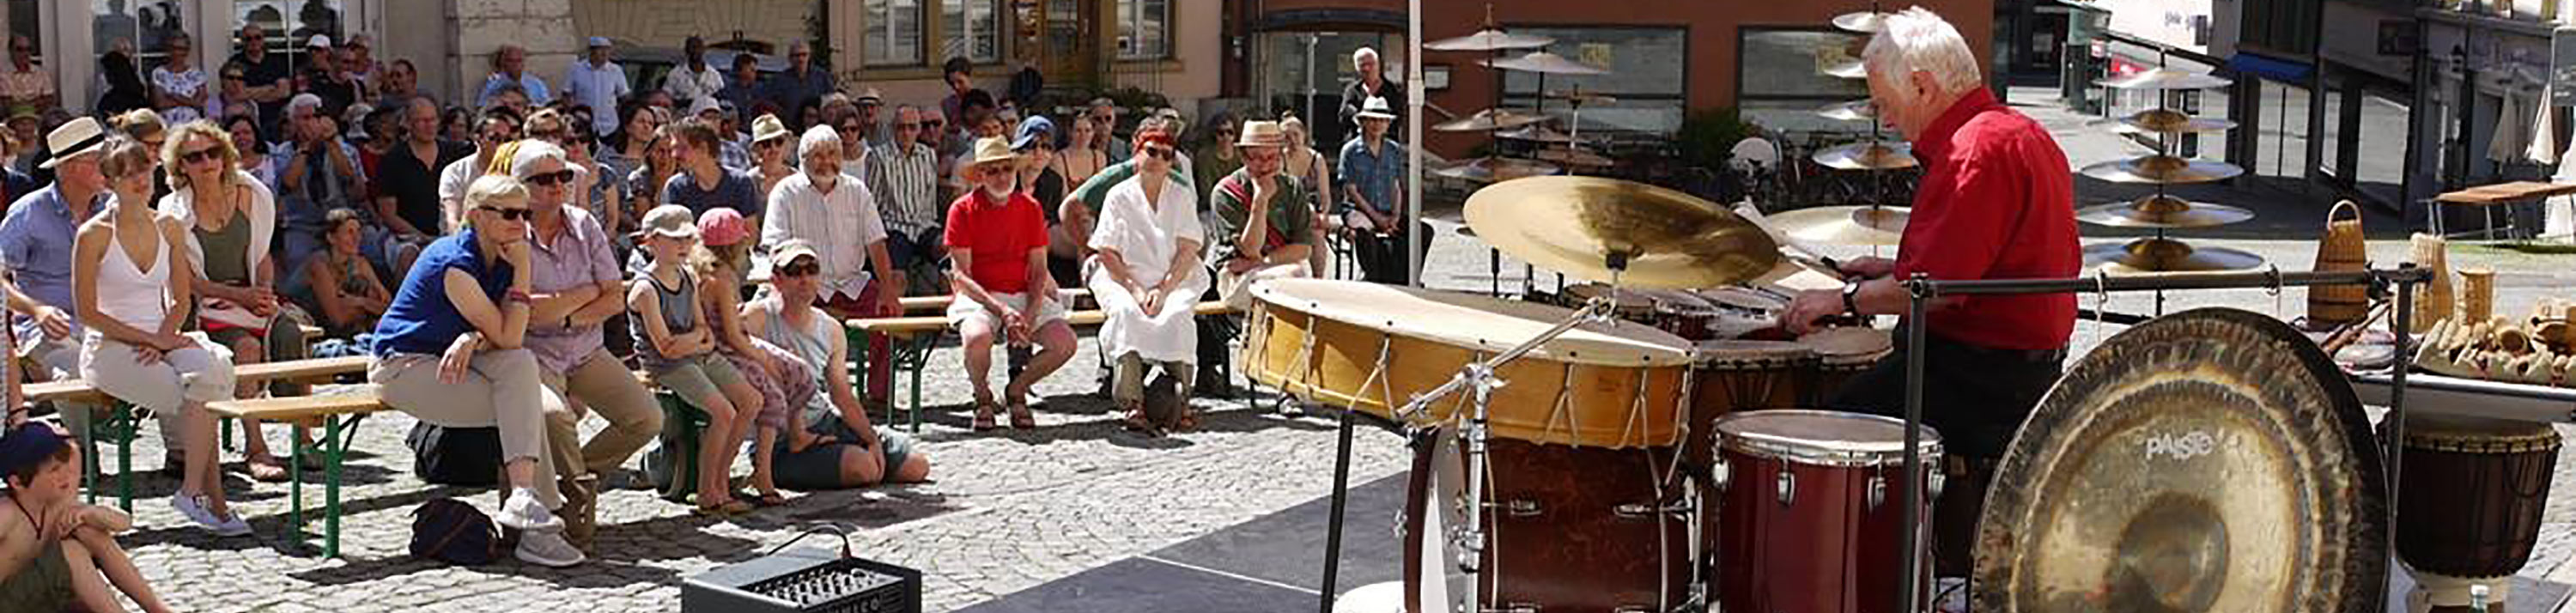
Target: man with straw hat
x,y
1254,247
36,246
997,241
1372,183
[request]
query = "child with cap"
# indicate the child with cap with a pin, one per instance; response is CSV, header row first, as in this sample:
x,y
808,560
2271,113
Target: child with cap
x,y
676,343
57,554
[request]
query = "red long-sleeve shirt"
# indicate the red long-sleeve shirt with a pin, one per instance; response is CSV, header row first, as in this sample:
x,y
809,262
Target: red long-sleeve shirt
x,y
1997,201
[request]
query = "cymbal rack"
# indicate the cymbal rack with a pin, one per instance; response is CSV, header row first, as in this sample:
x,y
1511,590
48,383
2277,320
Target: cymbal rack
x,y
2160,250
1879,176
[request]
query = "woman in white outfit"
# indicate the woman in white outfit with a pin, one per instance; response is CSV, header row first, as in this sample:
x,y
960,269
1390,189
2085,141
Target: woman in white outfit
x,y
130,282
1148,277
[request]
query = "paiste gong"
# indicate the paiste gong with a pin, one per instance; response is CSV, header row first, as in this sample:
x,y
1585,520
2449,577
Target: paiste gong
x,y
2212,460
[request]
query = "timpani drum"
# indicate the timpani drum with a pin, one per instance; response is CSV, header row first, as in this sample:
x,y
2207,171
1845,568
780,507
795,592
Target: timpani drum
x,y
1627,304
1842,353
2469,509
1811,511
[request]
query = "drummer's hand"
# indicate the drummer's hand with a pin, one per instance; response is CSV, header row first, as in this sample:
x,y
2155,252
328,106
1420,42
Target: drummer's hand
x,y
1868,267
1809,306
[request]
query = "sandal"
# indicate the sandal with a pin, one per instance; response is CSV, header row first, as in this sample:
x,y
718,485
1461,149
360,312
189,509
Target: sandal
x,y
984,415
1020,417
266,469
772,499
1137,421
1188,421
728,509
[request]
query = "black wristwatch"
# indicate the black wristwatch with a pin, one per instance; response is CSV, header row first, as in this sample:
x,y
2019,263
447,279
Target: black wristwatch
x,y
1851,300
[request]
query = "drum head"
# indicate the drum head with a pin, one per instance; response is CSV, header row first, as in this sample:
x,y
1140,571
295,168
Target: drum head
x,y
1743,299
1735,351
2212,460
1845,345
1822,437
1481,323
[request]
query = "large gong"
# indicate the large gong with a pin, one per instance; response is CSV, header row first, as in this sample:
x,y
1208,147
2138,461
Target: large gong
x,y
2212,460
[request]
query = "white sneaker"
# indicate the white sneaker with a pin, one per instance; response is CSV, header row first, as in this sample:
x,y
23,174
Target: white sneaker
x,y
194,508
524,513
547,549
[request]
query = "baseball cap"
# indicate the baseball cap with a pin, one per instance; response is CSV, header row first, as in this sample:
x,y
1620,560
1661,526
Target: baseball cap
x,y
1031,129
722,226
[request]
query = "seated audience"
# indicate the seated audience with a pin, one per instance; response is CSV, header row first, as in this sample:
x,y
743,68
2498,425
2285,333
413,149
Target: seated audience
x,y
722,259
830,442
36,245
831,209
676,343
997,239
57,554
704,182
231,222
449,353
1250,246
345,291
1148,278
904,176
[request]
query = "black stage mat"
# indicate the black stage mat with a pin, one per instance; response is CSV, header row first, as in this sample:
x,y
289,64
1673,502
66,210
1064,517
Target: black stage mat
x,y
1272,563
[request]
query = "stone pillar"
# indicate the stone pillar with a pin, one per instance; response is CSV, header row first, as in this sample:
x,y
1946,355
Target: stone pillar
x,y
543,27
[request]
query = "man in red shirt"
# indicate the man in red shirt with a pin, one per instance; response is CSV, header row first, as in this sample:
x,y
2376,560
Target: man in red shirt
x,y
998,239
1996,202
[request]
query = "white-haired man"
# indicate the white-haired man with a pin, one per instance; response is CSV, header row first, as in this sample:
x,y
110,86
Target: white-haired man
x,y
1373,83
1996,202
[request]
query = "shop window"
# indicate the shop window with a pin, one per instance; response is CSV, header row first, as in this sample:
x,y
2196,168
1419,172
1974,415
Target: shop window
x,y
135,26
894,33
291,22
1649,74
1144,29
973,30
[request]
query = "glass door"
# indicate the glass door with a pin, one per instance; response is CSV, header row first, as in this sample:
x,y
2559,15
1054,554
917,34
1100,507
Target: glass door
x,y
1070,51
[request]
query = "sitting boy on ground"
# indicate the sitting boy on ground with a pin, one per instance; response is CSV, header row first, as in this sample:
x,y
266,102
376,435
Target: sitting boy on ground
x,y
57,554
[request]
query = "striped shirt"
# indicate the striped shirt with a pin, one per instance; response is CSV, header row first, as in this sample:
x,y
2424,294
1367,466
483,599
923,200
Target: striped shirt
x,y
906,184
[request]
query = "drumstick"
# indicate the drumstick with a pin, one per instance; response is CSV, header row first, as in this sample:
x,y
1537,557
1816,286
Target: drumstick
x,y
2352,332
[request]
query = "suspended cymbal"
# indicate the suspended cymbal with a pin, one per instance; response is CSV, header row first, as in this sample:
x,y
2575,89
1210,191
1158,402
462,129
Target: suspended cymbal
x,y
1536,134
1493,169
1545,63
1490,119
1580,97
1863,22
1587,227
2165,78
1847,69
2162,170
2162,212
1489,39
2167,121
1856,110
2154,255
1844,225
1879,155
1575,157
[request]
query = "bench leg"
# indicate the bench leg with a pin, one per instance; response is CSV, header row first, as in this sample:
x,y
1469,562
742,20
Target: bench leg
x,y
91,471
123,424
332,448
295,492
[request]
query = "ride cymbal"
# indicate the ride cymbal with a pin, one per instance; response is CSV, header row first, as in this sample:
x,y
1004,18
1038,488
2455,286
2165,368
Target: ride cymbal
x,y
2167,121
1545,63
1489,120
1575,157
1598,229
1536,134
2162,212
2162,170
1846,69
2210,460
1856,110
2156,255
1579,97
1492,169
1878,155
1489,39
2164,79
1862,22
1880,226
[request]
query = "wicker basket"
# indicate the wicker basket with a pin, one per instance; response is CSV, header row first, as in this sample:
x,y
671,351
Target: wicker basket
x,y
2340,250
2477,294
2435,304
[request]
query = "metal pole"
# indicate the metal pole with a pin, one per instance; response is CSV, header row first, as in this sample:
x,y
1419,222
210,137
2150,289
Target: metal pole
x,y
1312,121
2392,446
1333,533
1413,144
1917,291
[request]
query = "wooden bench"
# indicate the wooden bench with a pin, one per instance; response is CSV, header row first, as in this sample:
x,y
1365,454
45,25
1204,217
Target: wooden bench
x,y
337,411
939,304
913,337
121,424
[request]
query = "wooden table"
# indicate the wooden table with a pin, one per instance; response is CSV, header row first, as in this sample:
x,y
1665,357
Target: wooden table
x,y
2491,197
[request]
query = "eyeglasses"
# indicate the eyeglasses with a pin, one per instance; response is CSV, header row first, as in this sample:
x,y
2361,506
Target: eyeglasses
x,y
805,269
1163,153
558,177
201,155
771,143
510,213
233,77
933,123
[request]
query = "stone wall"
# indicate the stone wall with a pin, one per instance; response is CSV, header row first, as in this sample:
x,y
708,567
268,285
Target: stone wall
x,y
543,27
668,23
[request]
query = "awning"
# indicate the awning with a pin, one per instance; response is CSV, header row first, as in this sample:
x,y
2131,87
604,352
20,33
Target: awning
x,y
2270,68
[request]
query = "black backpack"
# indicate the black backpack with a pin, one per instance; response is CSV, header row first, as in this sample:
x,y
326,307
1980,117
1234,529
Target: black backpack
x,y
469,457
450,531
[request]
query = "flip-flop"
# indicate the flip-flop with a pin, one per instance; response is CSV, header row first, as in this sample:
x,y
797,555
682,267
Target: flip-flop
x,y
266,469
1187,422
1020,417
984,415
1137,421
772,499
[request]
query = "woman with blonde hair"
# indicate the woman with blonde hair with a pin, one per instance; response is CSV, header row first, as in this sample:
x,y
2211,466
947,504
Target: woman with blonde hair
x,y
784,382
231,222
132,290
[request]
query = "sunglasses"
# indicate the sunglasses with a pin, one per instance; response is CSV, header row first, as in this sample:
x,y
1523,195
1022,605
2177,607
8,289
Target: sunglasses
x,y
232,77
770,144
201,155
1162,153
558,177
934,123
511,213
805,269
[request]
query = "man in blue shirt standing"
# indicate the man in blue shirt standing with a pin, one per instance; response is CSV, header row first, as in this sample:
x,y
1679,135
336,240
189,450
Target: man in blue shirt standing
x,y
598,83
1372,184
803,82
510,65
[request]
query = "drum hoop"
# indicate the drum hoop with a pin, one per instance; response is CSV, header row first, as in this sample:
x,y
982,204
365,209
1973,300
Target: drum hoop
x,y
1618,343
2546,442
1854,359
1810,452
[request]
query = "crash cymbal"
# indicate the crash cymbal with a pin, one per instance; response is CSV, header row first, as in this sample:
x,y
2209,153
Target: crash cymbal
x,y
1588,227
2165,78
1489,39
1880,155
2162,212
1490,119
1536,134
1856,110
1492,169
2209,460
1844,225
1580,97
2155,255
1545,63
2162,170
1862,22
1575,157
1846,69
2167,121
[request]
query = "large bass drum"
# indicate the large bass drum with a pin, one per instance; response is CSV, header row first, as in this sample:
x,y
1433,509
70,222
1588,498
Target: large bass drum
x,y
2211,460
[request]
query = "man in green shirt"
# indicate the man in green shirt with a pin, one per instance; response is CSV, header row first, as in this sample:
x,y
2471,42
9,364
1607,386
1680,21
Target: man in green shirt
x,y
1254,247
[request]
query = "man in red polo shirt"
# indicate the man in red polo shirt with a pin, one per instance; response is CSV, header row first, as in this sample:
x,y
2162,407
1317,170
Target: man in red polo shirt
x,y
1996,202
998,238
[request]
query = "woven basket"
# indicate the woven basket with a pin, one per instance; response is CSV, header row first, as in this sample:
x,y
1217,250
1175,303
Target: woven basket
x,y
2340,249
2434,305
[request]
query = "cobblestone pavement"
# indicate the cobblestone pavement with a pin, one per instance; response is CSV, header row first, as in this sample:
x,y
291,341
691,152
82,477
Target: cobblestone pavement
x,y
1007,512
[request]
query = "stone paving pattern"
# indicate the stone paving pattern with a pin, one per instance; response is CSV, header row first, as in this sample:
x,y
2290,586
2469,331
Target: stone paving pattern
x,y
1022,508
